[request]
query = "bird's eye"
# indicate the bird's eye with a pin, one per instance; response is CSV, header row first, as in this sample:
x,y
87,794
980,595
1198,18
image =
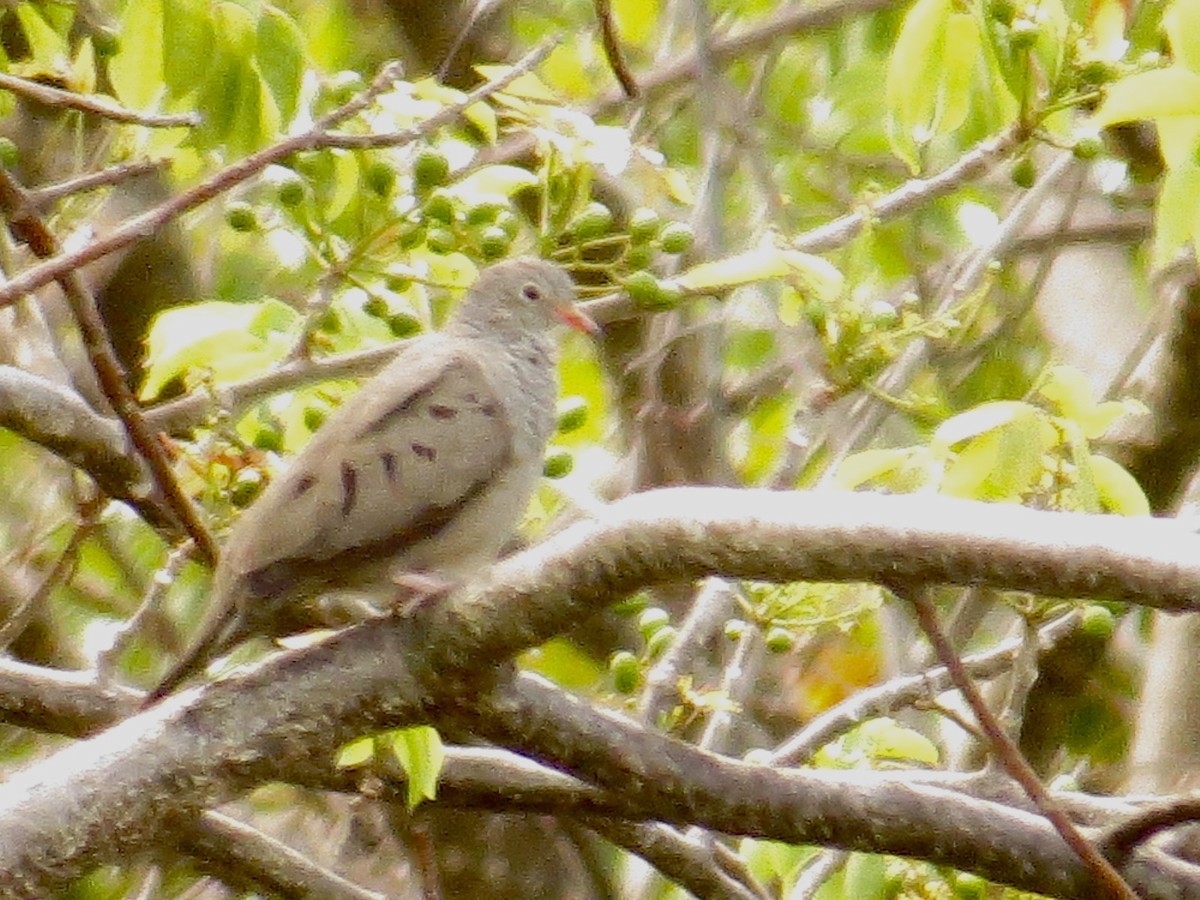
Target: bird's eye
x,y
531,292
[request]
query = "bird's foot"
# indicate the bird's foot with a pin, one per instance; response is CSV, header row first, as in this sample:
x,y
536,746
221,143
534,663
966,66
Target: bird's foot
x,y
417,589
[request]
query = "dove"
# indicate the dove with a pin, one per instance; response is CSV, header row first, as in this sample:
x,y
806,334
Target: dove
x,y
426,471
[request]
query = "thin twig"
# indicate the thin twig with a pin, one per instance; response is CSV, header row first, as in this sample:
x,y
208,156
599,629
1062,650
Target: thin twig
x,y
1006,751
51,193
93,103
913,194
612,48
60,573
318,137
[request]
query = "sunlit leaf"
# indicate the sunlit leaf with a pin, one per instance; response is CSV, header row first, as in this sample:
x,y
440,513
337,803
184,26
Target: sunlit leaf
x,y
1117,490
421,754
137,71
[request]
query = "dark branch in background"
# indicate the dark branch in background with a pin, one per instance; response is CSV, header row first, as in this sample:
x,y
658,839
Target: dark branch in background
x,y
28,226
677,783
59,420
1162,461
95,104
1005,751
611,41
245,858
316,138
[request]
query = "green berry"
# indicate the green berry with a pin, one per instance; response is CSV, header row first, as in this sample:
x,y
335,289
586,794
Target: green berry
x,y
291,190
484,210
558,463
644,225
1024,173
268,438
106,41
494,242
639,256
8,153
314,417
430,169
1023,34
595,220
441,240
1088,147
398,282
403,324
247,484
649,293
660,641
439,207
572,414
1097,71
377,308
626,671
676,238
413,236
241,217
1097,622
339,88
380,178
780,640
651,620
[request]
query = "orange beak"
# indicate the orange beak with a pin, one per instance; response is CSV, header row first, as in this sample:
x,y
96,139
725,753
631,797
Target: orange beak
x,y
577,319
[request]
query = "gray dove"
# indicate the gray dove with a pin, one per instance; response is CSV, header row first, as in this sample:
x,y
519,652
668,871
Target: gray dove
x,y
428,469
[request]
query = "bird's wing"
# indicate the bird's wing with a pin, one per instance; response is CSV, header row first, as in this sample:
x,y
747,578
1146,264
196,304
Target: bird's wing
x,y
388,471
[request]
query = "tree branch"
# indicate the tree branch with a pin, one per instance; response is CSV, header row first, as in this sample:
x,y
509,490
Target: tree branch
x,y
438,664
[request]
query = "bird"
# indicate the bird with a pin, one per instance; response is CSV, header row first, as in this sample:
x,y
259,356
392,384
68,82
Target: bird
x,y
427,470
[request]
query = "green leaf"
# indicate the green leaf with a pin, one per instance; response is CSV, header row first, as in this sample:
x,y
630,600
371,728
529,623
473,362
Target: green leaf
x,y
929,76
1157,94
564,663
482,116
420,752
1068,389
137,69
188,42
1181,21
280,58
344,182
1003,459
47,48
356,753
232,340
762,264
865,876
1118,491
979,420
506,180
871,466
1177,215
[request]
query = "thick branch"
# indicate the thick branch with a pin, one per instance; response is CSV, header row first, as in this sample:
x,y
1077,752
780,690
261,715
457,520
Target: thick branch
x,y
101,798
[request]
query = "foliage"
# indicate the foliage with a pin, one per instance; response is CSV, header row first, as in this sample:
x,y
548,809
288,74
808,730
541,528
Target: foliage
x,y
340,249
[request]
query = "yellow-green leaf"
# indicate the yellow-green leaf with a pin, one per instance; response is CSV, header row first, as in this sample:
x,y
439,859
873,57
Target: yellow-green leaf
x,y
356,753
1181,21
1068,389
232,340
1117,490
420,752
136,71
1157,94
979,420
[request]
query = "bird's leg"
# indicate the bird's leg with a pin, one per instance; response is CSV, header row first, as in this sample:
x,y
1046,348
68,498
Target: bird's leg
x,y
417,589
